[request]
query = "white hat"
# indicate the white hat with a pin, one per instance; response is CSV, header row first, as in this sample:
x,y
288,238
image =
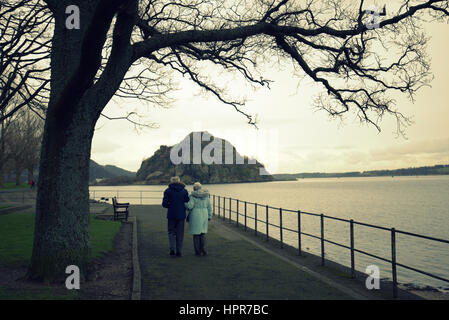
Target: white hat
x,y
197,186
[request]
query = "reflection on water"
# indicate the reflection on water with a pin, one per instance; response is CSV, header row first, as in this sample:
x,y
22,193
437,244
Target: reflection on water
x,y
414,204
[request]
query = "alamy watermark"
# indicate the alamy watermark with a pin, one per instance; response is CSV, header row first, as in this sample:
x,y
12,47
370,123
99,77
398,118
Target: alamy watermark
x,y
373,280
200,148
73,20
73,280
373,21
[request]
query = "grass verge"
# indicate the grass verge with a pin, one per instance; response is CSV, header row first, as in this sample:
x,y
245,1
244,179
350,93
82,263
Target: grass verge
x,y
12,185
16,242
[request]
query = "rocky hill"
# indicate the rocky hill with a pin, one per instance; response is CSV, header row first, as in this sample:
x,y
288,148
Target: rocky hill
x,y
212,161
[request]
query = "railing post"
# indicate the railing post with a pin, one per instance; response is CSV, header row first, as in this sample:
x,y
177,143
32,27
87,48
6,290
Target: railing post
x,y
280,228
237,213
245,215
218,206
393,262
322,239
266,221
351,229
230,205
299,232
224,208
255,219
213,207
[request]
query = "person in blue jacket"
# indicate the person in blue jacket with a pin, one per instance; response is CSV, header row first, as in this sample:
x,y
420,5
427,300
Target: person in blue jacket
x,y
174,198
201,213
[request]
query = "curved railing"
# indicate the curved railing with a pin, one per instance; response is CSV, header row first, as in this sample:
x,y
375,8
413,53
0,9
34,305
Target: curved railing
x,y
219,202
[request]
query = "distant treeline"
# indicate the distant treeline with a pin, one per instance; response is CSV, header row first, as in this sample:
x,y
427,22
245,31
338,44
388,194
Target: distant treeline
x,y
420,171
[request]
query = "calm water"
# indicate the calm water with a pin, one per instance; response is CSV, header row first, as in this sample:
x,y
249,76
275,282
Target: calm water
x,y
413,204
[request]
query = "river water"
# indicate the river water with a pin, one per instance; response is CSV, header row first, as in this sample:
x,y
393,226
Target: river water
x,y
414,204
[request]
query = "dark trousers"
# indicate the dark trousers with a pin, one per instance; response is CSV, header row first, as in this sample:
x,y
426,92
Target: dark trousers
x,y
199,242
176,233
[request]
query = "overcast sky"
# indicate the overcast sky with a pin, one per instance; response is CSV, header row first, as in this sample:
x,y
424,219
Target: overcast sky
x,y
292,136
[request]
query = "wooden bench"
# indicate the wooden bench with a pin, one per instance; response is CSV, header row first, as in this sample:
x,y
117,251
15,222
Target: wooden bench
x,y
120,210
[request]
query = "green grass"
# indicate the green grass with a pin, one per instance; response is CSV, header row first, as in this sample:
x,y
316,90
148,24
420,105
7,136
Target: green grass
x,y
44,293
3,207
12,185
102,234
17,231
16,242
16,239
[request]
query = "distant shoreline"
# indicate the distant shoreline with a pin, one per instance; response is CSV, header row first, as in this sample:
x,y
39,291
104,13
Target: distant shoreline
x,y
121,180
165,184
419,171
338,177
275,180
361,176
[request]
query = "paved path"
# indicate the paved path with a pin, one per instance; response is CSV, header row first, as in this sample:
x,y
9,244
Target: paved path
x,y
234,268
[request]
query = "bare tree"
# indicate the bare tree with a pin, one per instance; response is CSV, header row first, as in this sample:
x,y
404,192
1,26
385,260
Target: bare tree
x,y
4,152
23,141
16,149
25,42
128,48
32,129
25,33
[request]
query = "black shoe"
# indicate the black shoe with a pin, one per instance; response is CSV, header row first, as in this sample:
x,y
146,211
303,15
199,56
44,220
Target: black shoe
x,y
178,254
172,252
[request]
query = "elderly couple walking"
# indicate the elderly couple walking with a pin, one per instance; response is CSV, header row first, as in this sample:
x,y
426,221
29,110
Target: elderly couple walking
x,y
177,200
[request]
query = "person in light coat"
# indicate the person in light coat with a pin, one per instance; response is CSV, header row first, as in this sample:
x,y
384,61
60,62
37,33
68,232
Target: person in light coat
x,y
200,214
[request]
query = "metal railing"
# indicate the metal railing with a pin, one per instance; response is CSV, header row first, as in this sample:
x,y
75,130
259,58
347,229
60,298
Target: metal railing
x,y
219,202
100,194
19,196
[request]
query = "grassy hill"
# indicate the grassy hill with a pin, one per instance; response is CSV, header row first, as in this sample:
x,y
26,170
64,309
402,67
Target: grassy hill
x,y
97,171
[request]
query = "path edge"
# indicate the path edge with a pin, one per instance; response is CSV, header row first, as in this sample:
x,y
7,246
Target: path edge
x,y
15,209
137,279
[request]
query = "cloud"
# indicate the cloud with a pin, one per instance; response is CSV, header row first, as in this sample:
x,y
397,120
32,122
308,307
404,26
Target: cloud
x,y
104,146
424,148
348,158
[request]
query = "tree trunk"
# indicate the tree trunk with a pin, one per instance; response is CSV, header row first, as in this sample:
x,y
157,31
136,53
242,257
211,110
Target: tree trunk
x,y
18,173
2,152
62,207
61,235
